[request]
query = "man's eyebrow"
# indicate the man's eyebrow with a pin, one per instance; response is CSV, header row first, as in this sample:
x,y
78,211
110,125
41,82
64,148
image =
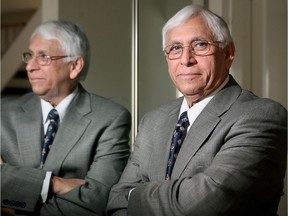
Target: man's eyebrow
x,y
37,53
173,43
193,39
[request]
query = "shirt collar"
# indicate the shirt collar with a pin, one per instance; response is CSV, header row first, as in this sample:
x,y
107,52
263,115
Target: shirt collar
x,y
195,110
61,107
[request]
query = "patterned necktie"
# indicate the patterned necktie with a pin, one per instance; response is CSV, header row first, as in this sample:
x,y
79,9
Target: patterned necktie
x,y
177,139
53,116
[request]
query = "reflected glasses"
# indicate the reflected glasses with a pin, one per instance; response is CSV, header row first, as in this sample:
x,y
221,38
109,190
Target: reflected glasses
x,y
41,59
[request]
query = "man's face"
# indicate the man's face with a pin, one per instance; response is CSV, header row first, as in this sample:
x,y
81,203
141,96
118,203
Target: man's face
x,y
197,76
53,80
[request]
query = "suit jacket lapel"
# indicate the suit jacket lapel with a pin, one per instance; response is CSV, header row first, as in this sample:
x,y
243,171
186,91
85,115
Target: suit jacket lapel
x,y
195,138
71,129
29,132
205,124
162,147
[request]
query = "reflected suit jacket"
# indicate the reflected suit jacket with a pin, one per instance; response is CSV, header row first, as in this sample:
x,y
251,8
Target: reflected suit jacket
x,y
232,161
91,143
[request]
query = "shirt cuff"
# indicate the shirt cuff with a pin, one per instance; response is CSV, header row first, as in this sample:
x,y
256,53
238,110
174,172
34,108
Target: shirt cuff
x,y
130,193
45,187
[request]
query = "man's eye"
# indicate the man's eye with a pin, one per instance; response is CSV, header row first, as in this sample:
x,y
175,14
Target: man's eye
x,y
43,56
176,48
200,44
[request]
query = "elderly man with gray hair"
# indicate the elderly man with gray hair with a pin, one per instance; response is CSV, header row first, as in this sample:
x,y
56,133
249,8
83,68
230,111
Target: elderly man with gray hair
x,y
62,148
227,153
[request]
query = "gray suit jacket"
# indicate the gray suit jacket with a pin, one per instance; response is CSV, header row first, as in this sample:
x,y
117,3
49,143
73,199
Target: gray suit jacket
x,y
232,161
91,144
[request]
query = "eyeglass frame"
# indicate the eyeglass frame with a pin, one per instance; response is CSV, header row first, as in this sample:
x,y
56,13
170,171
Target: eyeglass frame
x,y
210,43
48,58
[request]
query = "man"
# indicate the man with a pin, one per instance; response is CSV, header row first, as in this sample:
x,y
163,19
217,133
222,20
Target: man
x,y
232,156
74,174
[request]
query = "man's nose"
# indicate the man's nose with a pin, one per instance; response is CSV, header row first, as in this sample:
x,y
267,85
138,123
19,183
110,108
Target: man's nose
x,y
188,56
31,64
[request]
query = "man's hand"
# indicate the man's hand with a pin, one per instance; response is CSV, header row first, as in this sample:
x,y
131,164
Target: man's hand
x,y
61,186
7,212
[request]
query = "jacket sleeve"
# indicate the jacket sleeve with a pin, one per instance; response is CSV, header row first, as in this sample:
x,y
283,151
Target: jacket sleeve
x,y
21,187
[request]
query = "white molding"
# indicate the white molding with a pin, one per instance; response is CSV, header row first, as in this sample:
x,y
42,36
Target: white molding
x,y
134,72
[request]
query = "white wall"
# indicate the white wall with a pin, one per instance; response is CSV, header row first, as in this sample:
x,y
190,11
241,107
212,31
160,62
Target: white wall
x,y
269,49
259,29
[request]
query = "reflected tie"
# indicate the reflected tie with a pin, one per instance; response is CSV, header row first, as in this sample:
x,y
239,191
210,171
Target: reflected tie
x,y
53,116
177,139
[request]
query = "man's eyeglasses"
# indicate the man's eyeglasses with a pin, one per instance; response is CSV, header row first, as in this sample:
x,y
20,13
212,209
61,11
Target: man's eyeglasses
x,y
198,48
41,59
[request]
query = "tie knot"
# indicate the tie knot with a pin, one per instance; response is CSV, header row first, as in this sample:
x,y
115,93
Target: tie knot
x,y
53,115
183,120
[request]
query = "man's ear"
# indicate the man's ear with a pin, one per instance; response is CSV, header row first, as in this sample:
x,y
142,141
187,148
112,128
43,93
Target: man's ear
x,y
76,67
229,54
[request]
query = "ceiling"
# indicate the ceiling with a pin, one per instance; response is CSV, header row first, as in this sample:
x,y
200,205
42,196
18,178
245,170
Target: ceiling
x,y
18,5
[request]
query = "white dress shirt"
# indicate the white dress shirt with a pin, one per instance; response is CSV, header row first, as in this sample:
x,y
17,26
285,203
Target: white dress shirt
x,y
197,108
61,108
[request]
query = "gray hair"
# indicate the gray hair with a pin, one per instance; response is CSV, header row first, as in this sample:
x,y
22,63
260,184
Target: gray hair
x,y
215,23
72,39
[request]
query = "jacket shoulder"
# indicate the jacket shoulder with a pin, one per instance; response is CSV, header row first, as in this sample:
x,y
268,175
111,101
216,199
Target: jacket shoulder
x,y
12,103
